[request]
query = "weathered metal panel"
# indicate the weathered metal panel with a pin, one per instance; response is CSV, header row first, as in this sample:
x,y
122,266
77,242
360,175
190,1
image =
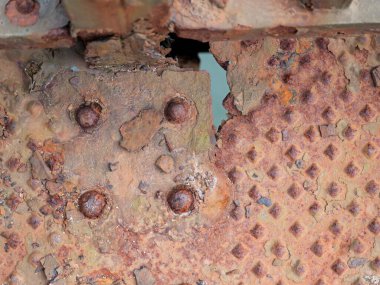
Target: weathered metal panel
x,y
249,19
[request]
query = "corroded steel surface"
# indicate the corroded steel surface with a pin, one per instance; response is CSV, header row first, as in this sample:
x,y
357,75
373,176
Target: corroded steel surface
x,y
91,18
115,177
112,173
244,19
53,23
89,158
304,159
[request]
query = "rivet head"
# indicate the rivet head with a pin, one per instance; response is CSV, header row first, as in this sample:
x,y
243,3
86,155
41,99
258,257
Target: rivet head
x,y
88,115
181,199
22,13
177,110
92,204
25,6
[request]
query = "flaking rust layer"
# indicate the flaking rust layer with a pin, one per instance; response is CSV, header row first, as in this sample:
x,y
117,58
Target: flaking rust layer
x,y
111,177
92,167
302,149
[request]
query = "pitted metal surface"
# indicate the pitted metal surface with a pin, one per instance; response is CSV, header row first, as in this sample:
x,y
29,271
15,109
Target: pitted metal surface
x,y
114,178
304,159
111,171
78,198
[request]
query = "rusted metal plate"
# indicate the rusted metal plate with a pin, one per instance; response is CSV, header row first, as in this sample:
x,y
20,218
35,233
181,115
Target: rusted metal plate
x,y
113,176
91,19
137,51
304,159
52,24
105,176
246,19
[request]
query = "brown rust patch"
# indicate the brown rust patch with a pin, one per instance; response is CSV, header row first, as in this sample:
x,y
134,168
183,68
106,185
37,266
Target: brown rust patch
x,y
138,132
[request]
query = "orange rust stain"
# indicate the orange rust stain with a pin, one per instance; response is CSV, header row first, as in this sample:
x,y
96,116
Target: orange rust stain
x,y
283,92
285,96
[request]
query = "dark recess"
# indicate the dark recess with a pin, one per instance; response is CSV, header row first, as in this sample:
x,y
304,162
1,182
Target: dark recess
x,y
185,50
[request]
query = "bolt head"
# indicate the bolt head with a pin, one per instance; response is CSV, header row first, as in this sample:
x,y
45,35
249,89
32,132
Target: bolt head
x,y
88,115
92,204
177,110
181,199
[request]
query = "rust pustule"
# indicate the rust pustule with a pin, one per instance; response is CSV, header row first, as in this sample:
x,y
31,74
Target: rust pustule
x,y
92,204
181,199
23,13
177,110
88,115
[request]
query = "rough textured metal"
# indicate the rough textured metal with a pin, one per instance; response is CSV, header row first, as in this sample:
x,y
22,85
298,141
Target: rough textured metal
x,y
204,20
91,19
308,144
112,173
79,207
288,195
248,19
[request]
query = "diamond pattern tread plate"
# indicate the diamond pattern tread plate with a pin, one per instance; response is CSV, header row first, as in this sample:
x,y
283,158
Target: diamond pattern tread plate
x,y
305,163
